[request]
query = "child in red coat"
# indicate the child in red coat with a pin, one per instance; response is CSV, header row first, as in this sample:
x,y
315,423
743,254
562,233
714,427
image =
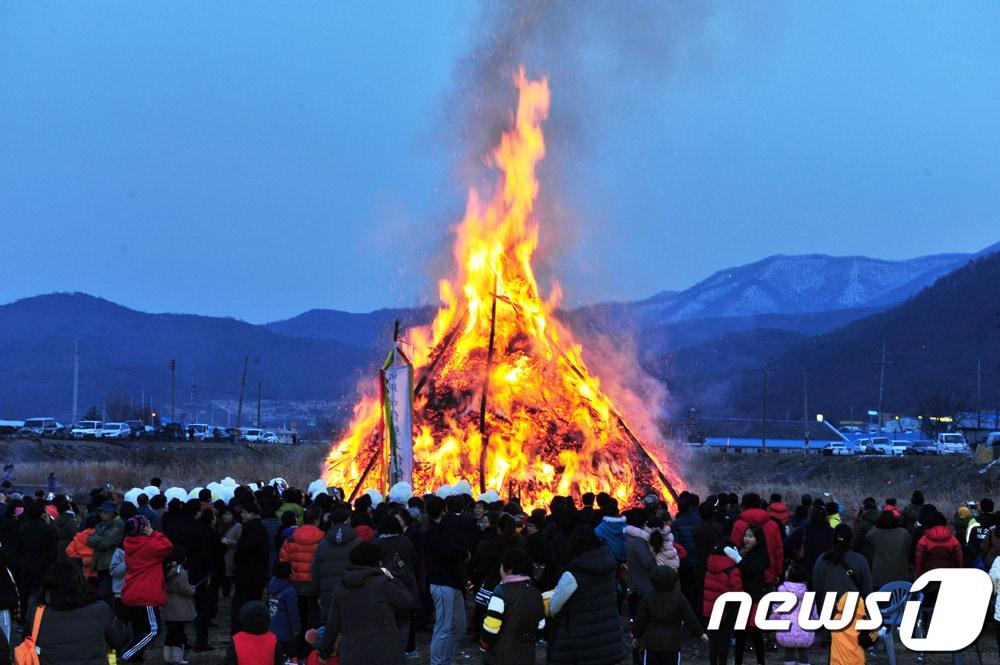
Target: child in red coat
x,y
144,591
722,576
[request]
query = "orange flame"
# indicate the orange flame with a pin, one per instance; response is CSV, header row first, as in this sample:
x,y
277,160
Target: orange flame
x,y
550,430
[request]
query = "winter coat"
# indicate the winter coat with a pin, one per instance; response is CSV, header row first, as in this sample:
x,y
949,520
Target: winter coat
x,y
398,556
251,557
753,571
283,604
66,527
587,630
780,512
706,535
831,576
38,547
332,559
661,613
9,598
890,553
722,575
293,507
810,542
230,538
80,636
107,537
79,549
363,616
298,550
446,550
796,637
865,524
195,538
612,531
937,548
117,572
180,596
844,647
144,581
640,560
775,549
510,629
683,529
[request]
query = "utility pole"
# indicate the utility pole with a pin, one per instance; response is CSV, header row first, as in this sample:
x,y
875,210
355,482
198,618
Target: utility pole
x,y
76,381
979,374
243,385
173,388
260,388
805,405
881,385
766,371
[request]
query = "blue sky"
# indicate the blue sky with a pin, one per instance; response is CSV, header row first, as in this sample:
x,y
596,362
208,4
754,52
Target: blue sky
x,y
258,160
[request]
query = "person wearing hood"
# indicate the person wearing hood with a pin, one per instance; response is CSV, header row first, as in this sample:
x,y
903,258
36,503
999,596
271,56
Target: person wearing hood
x,y
254,644
611,530
586,629
250,559
298,550
754,515
362,617
779,511
937,547
796,640
332,558
659,618
144,591
179,610
283,604
888,548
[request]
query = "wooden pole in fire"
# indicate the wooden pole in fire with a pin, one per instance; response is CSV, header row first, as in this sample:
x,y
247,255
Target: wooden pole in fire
x,y
484,434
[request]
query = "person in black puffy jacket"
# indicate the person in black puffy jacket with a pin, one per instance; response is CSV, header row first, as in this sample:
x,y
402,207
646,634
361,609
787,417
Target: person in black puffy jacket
x,y
75,627
659,618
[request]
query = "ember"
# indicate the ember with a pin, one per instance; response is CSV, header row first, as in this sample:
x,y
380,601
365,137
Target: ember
x,y
502,397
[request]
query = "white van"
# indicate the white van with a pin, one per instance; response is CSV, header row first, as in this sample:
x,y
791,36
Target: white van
x,y
952,443
252,434
42,426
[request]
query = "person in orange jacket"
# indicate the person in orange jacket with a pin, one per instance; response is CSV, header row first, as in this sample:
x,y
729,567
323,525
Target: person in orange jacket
x,y
80,550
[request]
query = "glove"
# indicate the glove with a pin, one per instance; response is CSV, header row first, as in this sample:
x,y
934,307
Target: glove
x,y
733,554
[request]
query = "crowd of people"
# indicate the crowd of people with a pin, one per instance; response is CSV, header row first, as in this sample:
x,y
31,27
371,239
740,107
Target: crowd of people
x,y
312,578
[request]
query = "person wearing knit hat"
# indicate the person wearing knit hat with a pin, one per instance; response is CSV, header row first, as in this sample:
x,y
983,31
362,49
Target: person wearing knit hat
x,y
144,591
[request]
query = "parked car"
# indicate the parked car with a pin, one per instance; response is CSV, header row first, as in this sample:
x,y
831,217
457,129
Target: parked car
x,y
137,428
44,427
202,432
880,445
170,432
269,437
116,431
922,447
837,449
251,434
952,443
88,429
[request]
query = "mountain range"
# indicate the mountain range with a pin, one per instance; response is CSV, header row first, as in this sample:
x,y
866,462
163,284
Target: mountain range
x,y
820,314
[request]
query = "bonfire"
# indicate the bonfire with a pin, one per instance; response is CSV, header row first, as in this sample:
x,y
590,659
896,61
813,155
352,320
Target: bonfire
x,y
501,395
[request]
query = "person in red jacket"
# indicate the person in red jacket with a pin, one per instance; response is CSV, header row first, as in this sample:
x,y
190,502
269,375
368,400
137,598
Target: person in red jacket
x,y
254,644
144,591
937,548
722,576
299,550
754,515
779,511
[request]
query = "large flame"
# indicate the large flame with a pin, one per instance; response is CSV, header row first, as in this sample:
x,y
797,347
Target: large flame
x,y
550,430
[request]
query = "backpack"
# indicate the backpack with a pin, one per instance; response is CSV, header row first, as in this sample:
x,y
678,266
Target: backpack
x,y
26,653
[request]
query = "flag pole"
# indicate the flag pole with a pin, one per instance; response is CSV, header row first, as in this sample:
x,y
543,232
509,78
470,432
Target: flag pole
x,y
483,433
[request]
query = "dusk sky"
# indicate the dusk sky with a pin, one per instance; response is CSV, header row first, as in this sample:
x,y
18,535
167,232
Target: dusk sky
x,y
257,160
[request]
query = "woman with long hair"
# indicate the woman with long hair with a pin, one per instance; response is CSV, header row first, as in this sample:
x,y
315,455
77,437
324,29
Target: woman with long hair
x,y
752,560
75,627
